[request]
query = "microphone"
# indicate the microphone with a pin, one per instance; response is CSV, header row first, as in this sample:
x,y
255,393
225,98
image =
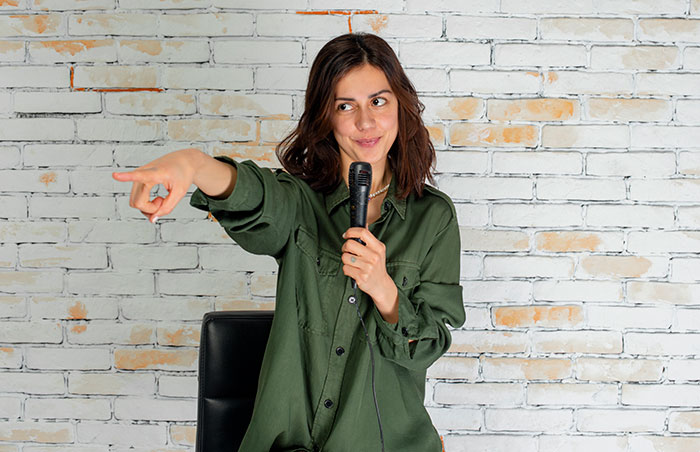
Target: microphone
x,y
360,183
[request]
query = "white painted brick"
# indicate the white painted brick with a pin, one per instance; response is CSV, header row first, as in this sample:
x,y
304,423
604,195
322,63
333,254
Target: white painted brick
x,y
662,344
12,307
444,53
597,83
203,283
664,242
291,78
170,308
525,368
571,394
57,155
36,129
390,5
119,129
495,82
122,434
67,5
147,51
113,24
111,232
31,281
685,269
689,163
204,231
661,395
664,292
145,103
528,266
477,318
177,386
688,320
616,215
683,190
428,80
470,266
467,162
163,4
245,105
31,332
464,6
665,137
606,7
108,283
37,232
455,367
483,27
51,307
455,418
634,57
688,111
621,266
96,332
10,407
71,207
683,369
486,188
111,384
591,29
34,181
527,420
10,358
13,207
33,382
9,157
602,342
490,443
251,52
588,136
275,131
219,24
69,358
38,432
614,370
537,215
11,52
155,410
34,77
186,77
159,257
683,421
63,256
94,409
486,291
619,318
689,217
537,162
471,215
582,443
99,50
580,189
109,77
234,258
301,25
5,98
485,240
488,342
8,255
500,394
635,164
668,84
529,55
398,26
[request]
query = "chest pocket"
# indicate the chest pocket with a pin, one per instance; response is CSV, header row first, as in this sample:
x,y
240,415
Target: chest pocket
x,y
316,290
406,275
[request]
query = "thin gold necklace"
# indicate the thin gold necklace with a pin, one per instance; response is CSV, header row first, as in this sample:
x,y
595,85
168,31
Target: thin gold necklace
x,y
379,192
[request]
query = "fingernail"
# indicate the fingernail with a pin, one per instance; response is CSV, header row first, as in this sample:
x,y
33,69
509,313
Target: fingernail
x,y
343,235
154,220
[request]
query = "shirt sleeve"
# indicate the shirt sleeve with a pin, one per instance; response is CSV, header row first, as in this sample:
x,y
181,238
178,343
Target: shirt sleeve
x,y
259,213
421,335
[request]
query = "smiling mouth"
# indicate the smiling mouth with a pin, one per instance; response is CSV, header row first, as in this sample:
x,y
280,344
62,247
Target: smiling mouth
x,y
368,142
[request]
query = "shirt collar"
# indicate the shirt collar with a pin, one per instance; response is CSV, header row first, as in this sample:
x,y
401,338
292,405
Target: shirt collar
x,y
342,194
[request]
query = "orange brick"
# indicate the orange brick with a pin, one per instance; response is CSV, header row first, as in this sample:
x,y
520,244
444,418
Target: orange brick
x,y
31,25
155,359
527,369
79,50
11,51
36,432
463,134
183,435
567,241
533,109
629,109
178,335
546,316
616,266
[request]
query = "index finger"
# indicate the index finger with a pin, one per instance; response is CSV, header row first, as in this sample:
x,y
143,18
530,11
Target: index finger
x,y
137,175
363,234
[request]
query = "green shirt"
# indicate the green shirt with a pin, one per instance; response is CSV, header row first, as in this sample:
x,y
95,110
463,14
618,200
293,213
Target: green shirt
x,y
314,391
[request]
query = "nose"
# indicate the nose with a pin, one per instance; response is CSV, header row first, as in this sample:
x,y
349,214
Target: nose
x,y
365,119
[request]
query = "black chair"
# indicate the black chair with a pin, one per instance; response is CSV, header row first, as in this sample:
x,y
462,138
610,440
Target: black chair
x,y
230,354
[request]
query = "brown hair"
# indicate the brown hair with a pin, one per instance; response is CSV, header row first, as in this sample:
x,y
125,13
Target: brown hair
x,y
311,151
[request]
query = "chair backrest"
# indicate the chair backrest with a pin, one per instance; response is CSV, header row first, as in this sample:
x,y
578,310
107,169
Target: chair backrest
x,y
230,354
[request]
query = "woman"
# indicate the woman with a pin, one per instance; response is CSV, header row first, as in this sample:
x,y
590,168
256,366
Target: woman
x,y
315,388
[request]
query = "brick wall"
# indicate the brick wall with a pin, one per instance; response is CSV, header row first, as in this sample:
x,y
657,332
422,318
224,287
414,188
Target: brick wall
x,y
569,138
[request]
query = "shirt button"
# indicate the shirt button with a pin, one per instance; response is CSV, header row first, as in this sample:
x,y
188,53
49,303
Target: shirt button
x,y
328,403
339,351
404,282
386,205
351,299
318,261
404,331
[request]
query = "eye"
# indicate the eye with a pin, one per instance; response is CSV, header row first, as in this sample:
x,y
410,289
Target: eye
x,y
344,107
378,101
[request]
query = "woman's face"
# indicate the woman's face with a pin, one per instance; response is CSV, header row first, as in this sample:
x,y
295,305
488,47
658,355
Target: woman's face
x,y
365,118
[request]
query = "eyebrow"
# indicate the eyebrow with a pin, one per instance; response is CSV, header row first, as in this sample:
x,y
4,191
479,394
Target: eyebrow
x,y
368,97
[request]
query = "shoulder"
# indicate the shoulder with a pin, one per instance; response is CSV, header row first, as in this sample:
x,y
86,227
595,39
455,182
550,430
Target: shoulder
x,y
435,203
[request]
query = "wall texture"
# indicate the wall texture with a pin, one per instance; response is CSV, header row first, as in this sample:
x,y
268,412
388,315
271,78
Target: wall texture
x,y
569,139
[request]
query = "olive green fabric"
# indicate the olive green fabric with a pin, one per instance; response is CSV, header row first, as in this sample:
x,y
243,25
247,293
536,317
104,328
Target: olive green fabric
x,y
314,391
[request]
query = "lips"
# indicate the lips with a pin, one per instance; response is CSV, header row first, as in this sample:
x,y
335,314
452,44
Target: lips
x,y
367,142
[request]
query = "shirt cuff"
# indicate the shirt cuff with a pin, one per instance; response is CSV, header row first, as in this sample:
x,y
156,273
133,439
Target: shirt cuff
x,y
242,196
